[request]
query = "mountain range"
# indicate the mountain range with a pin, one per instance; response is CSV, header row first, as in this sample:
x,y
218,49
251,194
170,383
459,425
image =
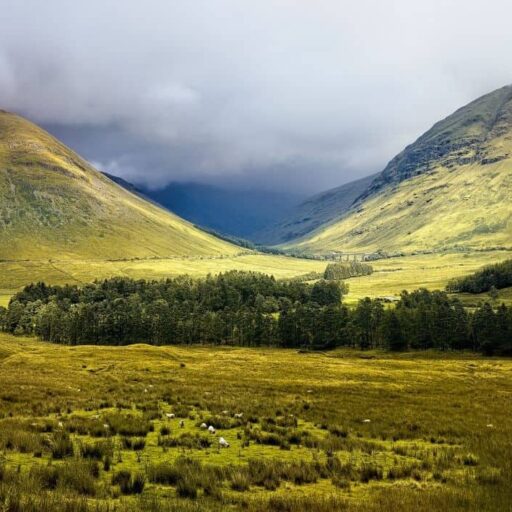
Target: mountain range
x,y
449,190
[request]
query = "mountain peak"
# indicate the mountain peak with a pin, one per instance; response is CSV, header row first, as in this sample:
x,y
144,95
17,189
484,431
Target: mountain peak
x,y
461,138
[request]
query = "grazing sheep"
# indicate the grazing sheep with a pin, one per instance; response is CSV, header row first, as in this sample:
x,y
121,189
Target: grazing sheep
x,y
225,412
490,425
182,423
239,415
170,415
223,443
145,390
61,425
367,421
96,416
211,429
203,426
106,426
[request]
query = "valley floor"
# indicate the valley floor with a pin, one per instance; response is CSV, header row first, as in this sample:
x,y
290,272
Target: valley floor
x,y
391,276
338,431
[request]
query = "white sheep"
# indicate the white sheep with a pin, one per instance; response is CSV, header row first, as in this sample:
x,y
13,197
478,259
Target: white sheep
x,y
225,412
61,425
366,421
170,415
223,443
204,426
106,426
211,429
239,415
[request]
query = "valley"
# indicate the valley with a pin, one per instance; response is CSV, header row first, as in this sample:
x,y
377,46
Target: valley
x,y
205,373
391,275
255,256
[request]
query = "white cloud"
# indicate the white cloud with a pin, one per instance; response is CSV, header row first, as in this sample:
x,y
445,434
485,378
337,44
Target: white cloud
x,y
254,90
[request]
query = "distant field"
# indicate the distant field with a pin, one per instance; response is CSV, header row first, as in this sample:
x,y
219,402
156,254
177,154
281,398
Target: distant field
x,y
431,271
391,276
345,431
15,275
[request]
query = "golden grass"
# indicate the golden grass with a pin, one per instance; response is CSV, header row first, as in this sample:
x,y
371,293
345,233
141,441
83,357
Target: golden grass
x,y
467,207
419,408
390,276
15,275
53,204
432,271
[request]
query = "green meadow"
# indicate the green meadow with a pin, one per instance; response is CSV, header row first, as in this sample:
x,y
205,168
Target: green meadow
x,y
88,428
390,277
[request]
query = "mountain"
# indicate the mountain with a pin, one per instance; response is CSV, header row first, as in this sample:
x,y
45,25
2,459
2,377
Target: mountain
x,y
54,205
313,213
235,212
451,189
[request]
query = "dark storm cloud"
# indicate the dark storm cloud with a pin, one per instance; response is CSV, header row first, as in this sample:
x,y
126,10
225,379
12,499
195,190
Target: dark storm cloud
x,y
287,93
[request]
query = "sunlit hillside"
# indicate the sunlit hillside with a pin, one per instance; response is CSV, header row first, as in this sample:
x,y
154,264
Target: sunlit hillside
x,y
53,204
451,189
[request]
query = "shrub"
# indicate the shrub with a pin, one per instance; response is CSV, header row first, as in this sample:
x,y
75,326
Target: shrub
x,y
338,432
401,471
137,444
97,450
264,473
61,446
128,425
370,472
341,483
75,476
470,460
489,476
128,483
164,473
240,481
186,440
187,487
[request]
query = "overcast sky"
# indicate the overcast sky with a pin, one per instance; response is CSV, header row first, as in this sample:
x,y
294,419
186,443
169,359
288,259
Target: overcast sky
x,y
294,94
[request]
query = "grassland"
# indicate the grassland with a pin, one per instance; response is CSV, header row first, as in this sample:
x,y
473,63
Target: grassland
x,y
16,274
432,271
391,276
445,208
54,204
450,188
344,431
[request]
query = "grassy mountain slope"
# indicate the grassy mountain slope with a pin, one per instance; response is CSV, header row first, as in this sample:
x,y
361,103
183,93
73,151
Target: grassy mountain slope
x,y
316,211
451,189
54,205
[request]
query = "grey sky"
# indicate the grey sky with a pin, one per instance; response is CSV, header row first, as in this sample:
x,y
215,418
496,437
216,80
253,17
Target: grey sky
x,y
305,94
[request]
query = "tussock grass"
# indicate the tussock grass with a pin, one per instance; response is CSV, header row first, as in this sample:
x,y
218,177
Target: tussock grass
x,y
427,444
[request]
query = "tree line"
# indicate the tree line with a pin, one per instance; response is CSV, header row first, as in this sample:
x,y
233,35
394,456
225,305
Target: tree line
x,y
251,309
496,276
338,271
